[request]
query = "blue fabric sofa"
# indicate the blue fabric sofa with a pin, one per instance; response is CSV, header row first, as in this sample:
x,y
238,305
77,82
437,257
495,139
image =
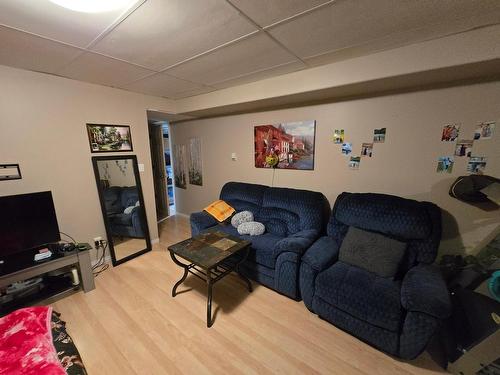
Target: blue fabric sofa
x,y
397,315
116,199
294,219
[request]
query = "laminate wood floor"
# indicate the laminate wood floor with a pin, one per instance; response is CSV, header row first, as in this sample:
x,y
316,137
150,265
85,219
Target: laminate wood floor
x,y
130,324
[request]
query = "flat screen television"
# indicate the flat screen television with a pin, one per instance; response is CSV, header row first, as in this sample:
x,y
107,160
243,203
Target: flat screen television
x,y
27,222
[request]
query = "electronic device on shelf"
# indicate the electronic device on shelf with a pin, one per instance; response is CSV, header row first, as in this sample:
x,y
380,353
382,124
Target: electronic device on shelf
x,y
42,254
31,247
63,248
28,223
22,285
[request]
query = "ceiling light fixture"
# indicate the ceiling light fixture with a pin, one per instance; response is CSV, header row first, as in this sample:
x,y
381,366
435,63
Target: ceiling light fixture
x,y
94,6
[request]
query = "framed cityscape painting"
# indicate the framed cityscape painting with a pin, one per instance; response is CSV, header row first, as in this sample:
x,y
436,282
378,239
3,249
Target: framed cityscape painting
x,y
288,145
109,138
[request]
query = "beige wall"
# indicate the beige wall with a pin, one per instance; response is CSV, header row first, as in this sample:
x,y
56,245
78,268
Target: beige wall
x,y
115,175
405,165
42,127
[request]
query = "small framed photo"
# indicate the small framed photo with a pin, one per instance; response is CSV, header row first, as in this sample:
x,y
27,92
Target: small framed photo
x,y
109,138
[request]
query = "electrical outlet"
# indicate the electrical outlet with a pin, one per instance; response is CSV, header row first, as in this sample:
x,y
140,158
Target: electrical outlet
x,y
97,242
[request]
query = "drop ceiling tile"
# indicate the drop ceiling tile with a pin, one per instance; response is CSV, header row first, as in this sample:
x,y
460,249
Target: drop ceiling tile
x,y
398,40
267,12
161,84
26,51
194,92
253,54
161,33
263,74
50,20
91,67
350,23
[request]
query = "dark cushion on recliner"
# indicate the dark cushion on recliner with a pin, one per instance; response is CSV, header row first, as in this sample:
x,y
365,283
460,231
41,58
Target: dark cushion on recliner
x,y
362,294
372,251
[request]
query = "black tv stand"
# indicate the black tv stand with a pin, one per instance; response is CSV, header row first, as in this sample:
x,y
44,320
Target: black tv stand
x,y
80,259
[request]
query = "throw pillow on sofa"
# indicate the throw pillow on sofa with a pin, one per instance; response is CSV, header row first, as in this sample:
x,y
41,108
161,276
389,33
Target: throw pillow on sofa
x,y
252,228
241,217
371,251
128,210
220,210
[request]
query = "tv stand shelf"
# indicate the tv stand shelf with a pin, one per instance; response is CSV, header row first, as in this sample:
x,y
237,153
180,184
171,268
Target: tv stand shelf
x,y
80,259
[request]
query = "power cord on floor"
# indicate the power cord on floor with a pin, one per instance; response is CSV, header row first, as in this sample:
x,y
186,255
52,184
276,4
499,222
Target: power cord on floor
x,y
101,266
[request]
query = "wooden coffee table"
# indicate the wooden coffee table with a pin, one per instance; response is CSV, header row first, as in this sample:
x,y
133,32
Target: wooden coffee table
x,y
208,255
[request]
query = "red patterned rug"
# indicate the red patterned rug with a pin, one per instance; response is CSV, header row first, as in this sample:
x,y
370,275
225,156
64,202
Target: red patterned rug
x,y
26,345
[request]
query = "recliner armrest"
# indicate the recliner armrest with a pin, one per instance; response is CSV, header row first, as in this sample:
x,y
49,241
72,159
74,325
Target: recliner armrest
x,y
296,243
424,290
136,221
201,221
322,253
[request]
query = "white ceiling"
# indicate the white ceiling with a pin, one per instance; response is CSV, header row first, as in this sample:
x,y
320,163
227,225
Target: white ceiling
x,y
181,48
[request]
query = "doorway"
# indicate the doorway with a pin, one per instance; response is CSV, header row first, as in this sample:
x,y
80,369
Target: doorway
x,y
161,160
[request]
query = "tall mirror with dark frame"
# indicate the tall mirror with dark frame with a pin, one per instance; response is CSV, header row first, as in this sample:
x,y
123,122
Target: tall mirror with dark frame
x,y
122,203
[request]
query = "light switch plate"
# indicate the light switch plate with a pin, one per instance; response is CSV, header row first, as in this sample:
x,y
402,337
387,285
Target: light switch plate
x,y
234,157
141,167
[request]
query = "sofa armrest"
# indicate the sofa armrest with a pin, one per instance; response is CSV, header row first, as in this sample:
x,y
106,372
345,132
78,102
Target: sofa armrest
x,y
201,221
318,257
322,253
424,290
136,221
296,243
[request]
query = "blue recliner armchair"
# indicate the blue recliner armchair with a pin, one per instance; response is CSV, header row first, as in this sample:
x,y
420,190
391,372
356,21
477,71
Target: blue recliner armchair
x,y
294,219
116,200
396,315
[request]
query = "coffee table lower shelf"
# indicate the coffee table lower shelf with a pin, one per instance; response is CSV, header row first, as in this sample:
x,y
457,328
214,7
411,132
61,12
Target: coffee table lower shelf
x,y
210,276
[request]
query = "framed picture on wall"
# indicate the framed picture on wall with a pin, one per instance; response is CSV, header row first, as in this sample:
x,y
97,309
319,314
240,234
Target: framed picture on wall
x,y
109,138
288,145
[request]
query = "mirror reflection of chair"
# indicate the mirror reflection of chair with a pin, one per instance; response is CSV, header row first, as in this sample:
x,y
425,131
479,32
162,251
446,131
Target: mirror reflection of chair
x,y
122,204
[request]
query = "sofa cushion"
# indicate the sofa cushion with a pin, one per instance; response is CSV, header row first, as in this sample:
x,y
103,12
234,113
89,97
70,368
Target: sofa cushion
x,y
416,223
362,294
401,218
121,219
112,200
279,221
129,196
263,249
372,251
226,228
286,211
243,196
381,338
